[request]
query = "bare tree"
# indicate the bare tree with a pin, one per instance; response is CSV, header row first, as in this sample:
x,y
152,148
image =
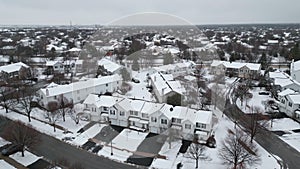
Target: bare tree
x,y
216,91
21,135
53,113
173,135
256,123
74,116
65,106
25,99
241,92
5,101
237,150
197,152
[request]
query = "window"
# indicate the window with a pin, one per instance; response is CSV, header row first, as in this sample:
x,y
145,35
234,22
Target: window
x,y
112,112
187,126
134,113
144,115
163,121
153,119
282,101
201,125
122,113
290,104
55,97
106,84
174,120
105,108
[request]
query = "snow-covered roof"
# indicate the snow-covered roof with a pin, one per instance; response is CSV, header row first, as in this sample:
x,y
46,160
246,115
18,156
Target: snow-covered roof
x,y
236,65
165,85
286,92
74,50
169,67
277,74
52,62
102,101
13,67
61,89
295,98
273,41
109,65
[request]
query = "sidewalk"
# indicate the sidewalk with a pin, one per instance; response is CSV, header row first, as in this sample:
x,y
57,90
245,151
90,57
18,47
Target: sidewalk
x,y
12,162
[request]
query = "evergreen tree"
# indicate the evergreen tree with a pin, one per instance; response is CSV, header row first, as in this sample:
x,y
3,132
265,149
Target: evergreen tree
x,y
168,59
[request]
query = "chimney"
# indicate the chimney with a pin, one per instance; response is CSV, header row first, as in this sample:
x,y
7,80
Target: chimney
x,y
47,92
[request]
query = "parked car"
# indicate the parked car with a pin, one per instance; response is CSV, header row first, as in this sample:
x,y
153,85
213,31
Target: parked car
x,y
135,80
263,93
13,148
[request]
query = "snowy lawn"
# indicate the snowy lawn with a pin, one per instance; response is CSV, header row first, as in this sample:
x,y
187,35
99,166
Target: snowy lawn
x,y
213,162
139,91
293,139
5,165
257,101
284,124
123,145
28,158
40,126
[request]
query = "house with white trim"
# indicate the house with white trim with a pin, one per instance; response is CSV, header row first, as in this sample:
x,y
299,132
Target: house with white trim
x,y
289,103
165,86
79,91
71,66
236,69
149,116
15,70
177,69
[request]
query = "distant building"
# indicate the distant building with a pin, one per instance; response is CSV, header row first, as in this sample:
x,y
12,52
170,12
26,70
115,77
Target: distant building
x,y
79,91
67,66
177,69
15,71
108,67
236,69
148,116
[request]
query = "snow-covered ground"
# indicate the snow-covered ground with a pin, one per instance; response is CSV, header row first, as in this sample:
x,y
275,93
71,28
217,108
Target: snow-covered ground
x,y
123,145
28,158
139,90
213,162
257,101
287,125
3,142
5,165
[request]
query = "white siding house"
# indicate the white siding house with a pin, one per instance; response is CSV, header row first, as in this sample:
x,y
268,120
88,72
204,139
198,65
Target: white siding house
x,y
79,91
153,117
237,69
165,86
15,70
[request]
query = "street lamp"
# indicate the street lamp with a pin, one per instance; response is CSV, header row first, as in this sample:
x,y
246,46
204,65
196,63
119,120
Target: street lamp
x,y
111,149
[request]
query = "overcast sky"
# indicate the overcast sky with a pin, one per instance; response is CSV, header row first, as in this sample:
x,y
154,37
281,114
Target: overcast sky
x,y
61,12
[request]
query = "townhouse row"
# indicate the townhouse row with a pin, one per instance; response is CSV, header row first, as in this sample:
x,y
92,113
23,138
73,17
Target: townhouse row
x,y
78,91
156,118
236,69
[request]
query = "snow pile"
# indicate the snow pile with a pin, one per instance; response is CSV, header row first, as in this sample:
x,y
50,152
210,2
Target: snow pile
x,y
28,158
5,165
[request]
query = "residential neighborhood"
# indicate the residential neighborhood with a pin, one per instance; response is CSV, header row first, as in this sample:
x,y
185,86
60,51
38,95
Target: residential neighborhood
x,y
129,94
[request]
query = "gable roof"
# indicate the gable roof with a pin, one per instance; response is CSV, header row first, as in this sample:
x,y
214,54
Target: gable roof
x,y
55,90
14,67
109,65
